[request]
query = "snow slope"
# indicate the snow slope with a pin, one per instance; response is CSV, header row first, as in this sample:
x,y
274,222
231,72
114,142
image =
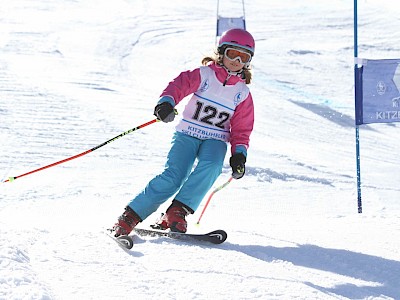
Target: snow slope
x,y
74,74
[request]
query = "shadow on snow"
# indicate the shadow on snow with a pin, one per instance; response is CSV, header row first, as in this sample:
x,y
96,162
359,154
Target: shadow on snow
x,y
384,273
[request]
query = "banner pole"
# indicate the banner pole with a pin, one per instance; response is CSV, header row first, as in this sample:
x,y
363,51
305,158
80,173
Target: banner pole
x,y
356,85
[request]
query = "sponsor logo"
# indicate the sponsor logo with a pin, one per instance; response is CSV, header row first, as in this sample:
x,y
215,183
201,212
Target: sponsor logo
x,y
396,102
237,99
204,86
218,236
204,134
381,88
388,115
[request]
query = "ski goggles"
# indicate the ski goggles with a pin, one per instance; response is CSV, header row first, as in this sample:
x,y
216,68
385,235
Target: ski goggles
x,y
233,54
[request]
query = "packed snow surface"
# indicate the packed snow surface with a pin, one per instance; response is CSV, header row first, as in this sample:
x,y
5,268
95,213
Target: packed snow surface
x,y
74,74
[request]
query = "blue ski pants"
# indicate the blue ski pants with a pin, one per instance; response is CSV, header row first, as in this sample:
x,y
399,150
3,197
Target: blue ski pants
x,y
191,185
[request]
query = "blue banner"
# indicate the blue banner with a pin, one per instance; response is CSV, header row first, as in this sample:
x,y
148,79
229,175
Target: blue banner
x,y
224,24
378,92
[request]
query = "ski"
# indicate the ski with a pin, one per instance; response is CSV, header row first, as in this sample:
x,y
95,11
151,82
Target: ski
x,y
124,241
214,237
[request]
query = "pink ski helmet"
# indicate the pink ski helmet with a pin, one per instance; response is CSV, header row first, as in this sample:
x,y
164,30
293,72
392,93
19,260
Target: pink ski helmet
x,y
239,38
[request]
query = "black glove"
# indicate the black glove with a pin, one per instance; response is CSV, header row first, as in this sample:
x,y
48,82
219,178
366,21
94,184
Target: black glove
x,y
237,162
165,112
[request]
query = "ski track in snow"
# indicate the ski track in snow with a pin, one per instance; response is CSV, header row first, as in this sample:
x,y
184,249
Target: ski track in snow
x,y
72,77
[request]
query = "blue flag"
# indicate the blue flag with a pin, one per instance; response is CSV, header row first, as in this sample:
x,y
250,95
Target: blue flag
x,y
378,91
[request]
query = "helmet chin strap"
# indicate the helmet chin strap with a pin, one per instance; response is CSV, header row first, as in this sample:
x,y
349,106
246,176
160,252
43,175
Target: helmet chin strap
x,y
231,73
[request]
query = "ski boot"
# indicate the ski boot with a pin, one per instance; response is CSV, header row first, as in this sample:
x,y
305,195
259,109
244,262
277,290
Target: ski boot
x,y
126,222
174,218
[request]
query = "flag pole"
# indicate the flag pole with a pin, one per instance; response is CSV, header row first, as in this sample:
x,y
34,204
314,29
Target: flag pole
x,y
356,93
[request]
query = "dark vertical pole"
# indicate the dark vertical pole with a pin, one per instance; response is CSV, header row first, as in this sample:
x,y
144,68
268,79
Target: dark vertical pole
x,y
356,84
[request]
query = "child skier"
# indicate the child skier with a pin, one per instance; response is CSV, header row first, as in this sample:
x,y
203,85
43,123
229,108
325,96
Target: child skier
x,y
219,111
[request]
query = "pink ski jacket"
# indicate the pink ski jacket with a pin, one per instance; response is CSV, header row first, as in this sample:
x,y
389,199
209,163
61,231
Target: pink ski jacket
x,y
221,106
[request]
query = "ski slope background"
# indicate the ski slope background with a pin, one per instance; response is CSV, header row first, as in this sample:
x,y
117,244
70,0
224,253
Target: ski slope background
x,y
74,74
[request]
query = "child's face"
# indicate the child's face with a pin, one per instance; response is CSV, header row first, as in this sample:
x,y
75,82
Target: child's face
x,y
232,65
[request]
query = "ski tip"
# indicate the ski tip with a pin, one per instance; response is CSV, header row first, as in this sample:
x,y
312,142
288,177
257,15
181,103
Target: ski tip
x,y
219,236
125,241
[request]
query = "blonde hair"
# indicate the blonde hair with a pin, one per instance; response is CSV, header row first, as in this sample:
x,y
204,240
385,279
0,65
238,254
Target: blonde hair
x,y
217,58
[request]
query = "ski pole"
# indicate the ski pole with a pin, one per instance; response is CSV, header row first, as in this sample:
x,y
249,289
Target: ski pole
x,y
211,195
10,179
